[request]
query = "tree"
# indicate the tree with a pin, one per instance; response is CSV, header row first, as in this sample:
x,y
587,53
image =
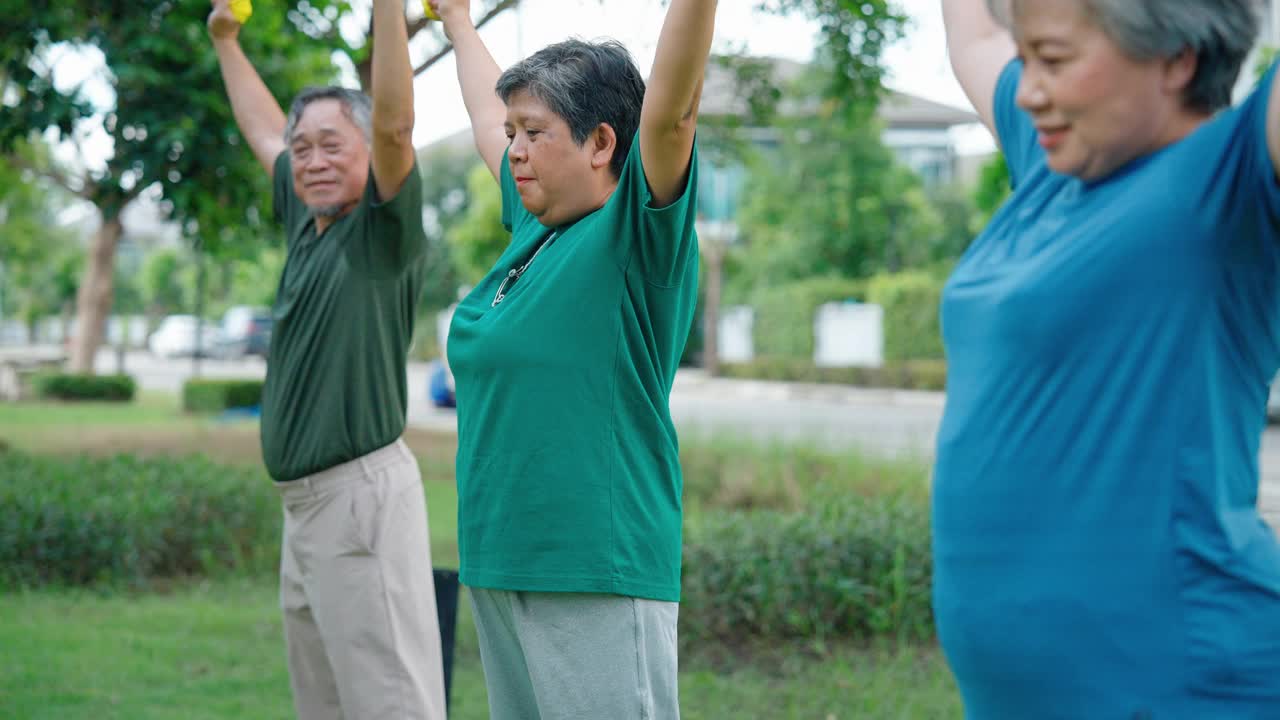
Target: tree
x,y
859,212
426,39
170,125
478,239
845,90
32,240
852,38
445,201
992,190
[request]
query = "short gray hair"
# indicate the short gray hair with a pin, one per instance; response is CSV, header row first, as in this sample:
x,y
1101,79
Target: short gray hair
x,y
1220,33
586,84
355,105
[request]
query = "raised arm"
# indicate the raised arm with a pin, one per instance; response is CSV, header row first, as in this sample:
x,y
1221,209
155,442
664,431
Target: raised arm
x,y
392,80
478,75
979,48
1273,125
669,115
260,118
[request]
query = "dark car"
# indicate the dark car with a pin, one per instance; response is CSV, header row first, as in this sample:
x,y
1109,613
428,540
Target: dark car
x,y
246,331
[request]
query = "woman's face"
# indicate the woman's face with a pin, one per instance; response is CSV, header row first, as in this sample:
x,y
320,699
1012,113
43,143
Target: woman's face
x,y
557,178
1094,108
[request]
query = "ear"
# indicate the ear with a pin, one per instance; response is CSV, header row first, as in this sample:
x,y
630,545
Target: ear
x,y
603,143
1180,70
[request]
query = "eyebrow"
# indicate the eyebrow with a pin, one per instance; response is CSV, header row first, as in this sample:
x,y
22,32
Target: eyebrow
x,y
323,132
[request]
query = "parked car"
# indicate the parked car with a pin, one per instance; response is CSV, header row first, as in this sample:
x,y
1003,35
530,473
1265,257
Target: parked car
x,y
176,337
440,389
245,331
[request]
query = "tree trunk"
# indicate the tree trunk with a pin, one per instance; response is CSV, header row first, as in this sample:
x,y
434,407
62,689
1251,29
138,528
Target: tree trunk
x,y
93,301
713,254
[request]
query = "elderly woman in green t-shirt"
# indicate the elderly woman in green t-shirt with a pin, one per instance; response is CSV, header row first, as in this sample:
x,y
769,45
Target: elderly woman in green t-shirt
x,y
564,354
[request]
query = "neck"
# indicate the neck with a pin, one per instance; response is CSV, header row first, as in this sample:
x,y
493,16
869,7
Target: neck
x,y
1180,126
324,221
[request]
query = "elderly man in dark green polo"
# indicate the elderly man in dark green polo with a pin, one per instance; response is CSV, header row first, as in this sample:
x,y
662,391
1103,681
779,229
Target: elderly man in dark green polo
x,y
355,576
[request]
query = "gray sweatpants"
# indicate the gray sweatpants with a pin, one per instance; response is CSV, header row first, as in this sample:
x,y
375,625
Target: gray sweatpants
x,y
573,656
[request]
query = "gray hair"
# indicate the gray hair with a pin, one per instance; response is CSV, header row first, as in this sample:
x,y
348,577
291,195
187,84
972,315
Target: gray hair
x,y
586,84
355,105
1220,33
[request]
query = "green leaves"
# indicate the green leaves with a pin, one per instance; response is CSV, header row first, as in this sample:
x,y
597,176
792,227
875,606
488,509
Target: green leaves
x,y
171,126
74,521
478,239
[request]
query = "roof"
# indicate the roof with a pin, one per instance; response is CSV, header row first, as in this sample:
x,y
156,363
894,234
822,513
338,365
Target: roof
x,y
898,110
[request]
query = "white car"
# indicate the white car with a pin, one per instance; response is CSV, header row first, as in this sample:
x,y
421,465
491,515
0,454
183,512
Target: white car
x,y
176,337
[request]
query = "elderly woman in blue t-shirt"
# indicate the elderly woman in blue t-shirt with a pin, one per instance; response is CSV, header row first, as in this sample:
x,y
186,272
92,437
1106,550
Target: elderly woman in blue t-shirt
x,y
1111,337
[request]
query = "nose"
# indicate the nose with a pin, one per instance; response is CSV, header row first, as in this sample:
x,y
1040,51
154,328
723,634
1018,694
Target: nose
x,y
519,150
1031,95
316,160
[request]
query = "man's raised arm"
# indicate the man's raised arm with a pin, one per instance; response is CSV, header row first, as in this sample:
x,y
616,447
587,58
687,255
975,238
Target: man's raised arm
x,y
392,152
260,118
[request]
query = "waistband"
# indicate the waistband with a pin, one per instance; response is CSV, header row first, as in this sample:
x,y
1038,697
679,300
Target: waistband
x,y
350,471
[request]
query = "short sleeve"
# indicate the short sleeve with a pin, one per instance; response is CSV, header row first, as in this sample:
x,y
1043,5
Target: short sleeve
x,y
1257,169
514,214
394,238
1014,129
285,204
661,240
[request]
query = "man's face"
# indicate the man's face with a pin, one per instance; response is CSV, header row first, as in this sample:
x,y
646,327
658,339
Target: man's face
x,y
330,159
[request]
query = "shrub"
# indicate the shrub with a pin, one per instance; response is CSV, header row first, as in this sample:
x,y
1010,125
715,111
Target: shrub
x,y
74,521
62,386
904,375
731,473
785,314
212,396
912,325
851,567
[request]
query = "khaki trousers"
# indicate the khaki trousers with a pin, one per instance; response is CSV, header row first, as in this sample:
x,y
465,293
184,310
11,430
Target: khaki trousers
x,y
357,594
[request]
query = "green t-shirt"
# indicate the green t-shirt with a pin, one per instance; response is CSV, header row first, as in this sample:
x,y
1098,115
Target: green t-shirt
x,y
344,313
568,470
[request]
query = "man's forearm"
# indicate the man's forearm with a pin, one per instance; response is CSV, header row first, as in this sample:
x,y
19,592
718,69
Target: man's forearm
x,y
259,117
391,73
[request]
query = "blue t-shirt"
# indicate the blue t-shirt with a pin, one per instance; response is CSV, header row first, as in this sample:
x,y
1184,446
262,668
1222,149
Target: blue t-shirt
x,y
1098,548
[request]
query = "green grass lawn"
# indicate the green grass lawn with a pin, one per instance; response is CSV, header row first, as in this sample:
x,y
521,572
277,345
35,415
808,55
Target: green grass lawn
x,y
215,651
149,408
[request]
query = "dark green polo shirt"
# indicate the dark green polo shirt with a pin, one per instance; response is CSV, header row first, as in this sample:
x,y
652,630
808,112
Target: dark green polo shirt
x,y
344,314
568,469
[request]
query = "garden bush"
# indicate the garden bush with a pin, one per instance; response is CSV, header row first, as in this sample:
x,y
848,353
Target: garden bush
x,y
850,567
78,520
904,375
64,386
213,396
784,314
912,324
733,473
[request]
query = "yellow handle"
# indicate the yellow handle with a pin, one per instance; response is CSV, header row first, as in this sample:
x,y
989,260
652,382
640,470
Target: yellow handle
x,y
242,9
431,14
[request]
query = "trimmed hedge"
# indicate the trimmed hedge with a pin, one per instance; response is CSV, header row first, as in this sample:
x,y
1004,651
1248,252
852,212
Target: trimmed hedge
x,y
785,314
213,396
81,521
912,322
851,567
67,386
903,375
